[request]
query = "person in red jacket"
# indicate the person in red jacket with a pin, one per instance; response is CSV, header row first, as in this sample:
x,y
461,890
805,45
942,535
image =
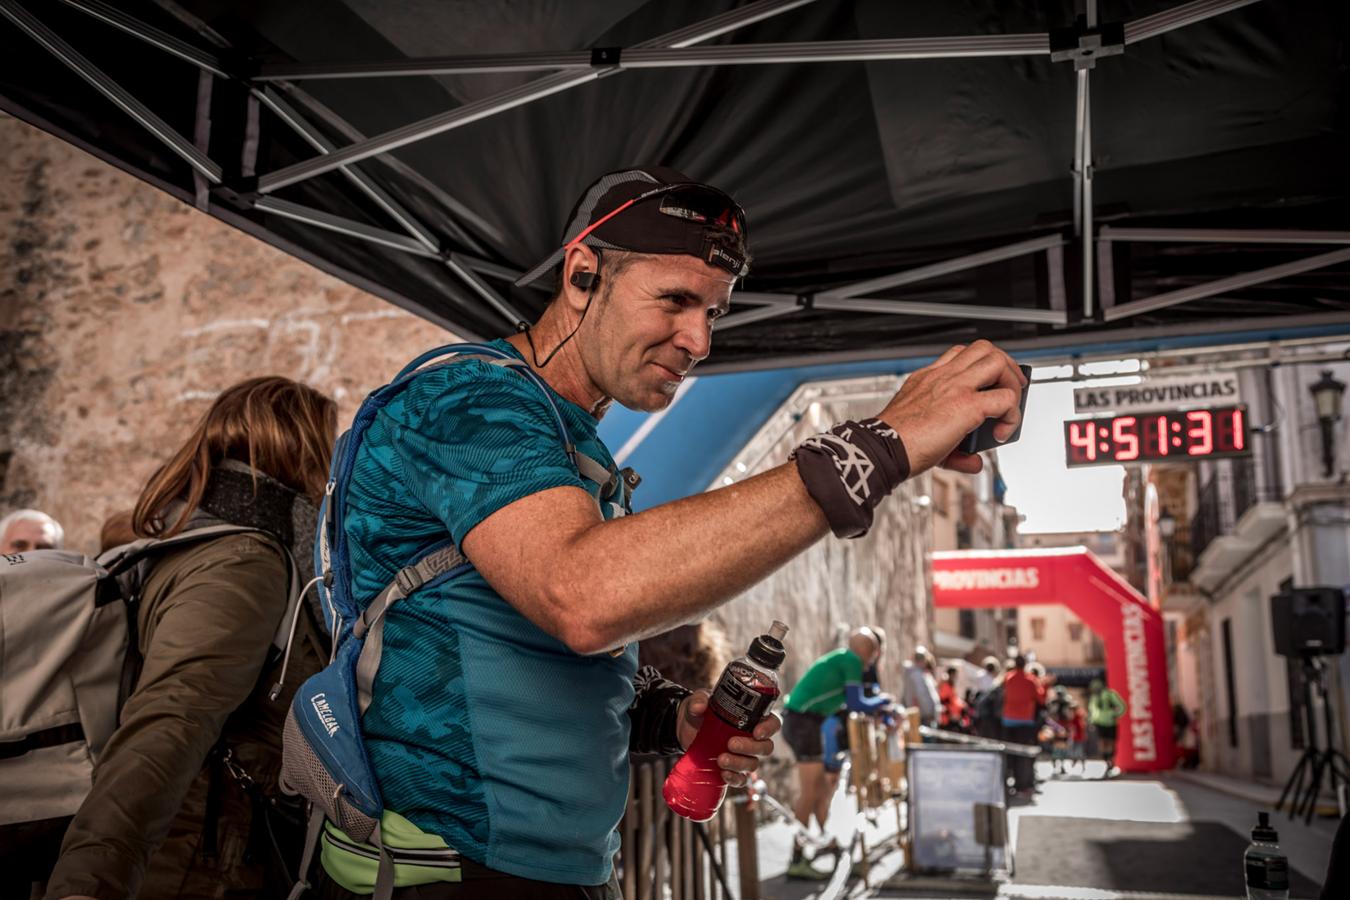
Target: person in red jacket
x,y
1023,695
952,706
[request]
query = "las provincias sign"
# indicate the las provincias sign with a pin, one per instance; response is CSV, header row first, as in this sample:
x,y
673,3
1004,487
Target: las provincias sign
x,y
1217,389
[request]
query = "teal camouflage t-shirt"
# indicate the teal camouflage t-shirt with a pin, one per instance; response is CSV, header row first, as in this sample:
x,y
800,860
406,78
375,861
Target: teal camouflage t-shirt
x,y
484,729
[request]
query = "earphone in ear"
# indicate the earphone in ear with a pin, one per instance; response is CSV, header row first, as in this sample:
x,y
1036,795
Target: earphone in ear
x,y
584,280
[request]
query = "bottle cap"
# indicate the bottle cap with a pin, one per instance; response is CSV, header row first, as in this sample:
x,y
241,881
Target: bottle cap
x,y
767,649
1263,832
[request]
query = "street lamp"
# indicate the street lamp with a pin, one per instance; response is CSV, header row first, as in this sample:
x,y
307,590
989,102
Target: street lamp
x,y
1327,394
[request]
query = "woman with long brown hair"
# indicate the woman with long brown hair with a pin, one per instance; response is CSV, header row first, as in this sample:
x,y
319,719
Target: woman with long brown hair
x,y
182,803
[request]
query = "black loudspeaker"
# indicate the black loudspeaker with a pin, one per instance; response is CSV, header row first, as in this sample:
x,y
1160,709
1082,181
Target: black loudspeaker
x,y
1309,621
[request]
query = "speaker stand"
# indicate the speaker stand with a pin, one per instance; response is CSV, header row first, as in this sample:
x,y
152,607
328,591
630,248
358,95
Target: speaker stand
x,y
1305,782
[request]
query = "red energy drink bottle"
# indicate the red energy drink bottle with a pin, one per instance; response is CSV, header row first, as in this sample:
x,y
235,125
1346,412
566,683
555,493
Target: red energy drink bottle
x,y
745,692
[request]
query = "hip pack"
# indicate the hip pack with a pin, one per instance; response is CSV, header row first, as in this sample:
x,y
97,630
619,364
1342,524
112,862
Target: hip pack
x,y
68,660
324,756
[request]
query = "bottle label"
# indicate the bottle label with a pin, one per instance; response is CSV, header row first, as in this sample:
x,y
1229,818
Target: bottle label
x,y
1269,873
735,699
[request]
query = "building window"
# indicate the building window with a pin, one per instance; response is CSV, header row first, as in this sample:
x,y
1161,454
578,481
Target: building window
x,y
1075,631
967,623
1038,629
963,536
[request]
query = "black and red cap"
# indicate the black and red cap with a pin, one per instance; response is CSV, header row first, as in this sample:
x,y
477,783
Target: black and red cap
x,y
654,209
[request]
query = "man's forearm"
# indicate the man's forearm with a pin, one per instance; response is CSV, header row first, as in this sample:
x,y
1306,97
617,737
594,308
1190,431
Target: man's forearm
x,y
641,575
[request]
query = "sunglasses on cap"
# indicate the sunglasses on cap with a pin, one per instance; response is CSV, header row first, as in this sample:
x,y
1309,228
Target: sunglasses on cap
x,y
723,227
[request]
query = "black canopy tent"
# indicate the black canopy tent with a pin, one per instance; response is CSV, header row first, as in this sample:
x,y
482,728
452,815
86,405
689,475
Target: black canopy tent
x,y
914,172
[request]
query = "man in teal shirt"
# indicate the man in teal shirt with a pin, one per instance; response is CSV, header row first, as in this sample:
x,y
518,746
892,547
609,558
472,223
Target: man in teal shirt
x,y
508,698
831,683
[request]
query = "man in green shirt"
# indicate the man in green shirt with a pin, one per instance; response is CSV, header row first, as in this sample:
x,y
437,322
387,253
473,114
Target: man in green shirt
x,y
1105,707
831,683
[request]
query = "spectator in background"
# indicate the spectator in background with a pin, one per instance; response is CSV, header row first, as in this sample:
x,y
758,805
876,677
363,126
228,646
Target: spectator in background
x,y
921,690
953,707
184,802
989,677
1023,695
30,529
1060,713
988,705
1105,708
831,683
872,677
1078,737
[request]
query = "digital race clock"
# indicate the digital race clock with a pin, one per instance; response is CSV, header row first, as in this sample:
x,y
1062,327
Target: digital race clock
x,y
1157,437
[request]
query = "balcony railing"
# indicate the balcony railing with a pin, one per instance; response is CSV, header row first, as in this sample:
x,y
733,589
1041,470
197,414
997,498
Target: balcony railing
x,y
1247,492
1225,497
1213,516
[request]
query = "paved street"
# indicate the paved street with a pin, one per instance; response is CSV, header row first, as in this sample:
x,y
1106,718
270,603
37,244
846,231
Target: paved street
x,y
1083,838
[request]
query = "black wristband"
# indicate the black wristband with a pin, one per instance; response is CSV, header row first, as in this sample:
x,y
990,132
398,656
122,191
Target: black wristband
x,y
849,469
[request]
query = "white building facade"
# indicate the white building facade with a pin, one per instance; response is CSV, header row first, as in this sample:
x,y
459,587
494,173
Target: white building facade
x,y
1248,528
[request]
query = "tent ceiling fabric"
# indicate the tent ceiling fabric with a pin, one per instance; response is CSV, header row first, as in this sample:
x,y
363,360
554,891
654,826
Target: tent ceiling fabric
x,y
849,170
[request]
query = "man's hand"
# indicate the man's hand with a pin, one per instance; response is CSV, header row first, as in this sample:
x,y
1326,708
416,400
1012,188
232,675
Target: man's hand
x,y
743,753
941,403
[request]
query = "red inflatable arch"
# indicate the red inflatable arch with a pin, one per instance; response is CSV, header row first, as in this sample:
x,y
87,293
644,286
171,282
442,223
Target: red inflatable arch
x,y
1136,657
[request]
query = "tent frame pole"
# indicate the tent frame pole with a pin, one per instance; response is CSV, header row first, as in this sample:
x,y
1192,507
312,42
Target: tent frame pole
x,y
872,50
1222,235
944,310
1223,285
510,99
318,218
945,267
1179,17
150,34
114,92
769,306
284,111
462,268
746,317
672,51
1083,153
423,242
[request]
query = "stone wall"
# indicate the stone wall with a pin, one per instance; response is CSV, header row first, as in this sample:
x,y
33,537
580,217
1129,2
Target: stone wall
x,y
123,312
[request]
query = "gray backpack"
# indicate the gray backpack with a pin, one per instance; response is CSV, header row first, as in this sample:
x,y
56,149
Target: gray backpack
x,y
68,659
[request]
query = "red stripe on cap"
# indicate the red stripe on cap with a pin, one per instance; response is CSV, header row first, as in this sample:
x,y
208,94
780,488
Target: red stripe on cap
x,y
574,241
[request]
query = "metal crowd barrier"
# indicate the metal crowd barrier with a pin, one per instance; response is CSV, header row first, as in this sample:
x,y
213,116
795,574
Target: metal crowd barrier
x,y
661,849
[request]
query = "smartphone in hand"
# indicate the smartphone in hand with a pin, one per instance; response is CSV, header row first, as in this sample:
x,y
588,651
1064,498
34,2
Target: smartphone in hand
x,y
982,438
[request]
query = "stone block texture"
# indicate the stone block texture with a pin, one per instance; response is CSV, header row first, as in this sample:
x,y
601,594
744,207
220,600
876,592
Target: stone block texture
x,y
123,312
